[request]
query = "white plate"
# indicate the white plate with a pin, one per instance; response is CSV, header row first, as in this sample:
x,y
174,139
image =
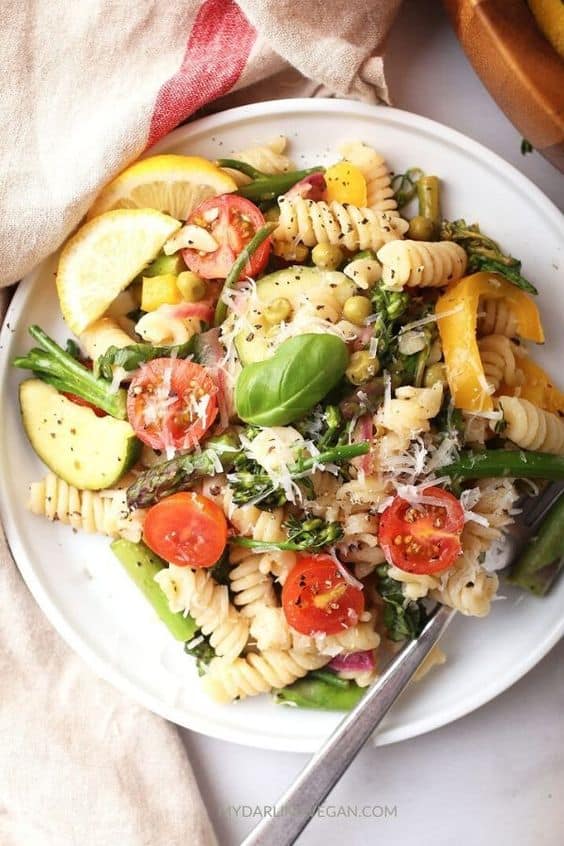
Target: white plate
x,y
81,587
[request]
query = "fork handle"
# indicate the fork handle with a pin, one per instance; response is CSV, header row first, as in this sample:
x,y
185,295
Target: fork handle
x,y
298,805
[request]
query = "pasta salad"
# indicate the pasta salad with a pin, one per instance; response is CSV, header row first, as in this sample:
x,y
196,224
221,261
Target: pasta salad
x,y
300,416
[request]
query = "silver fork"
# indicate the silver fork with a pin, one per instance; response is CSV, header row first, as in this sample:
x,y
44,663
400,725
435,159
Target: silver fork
x,y
298,805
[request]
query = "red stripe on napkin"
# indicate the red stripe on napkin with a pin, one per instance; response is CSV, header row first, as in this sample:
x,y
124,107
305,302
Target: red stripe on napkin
x,y
217,51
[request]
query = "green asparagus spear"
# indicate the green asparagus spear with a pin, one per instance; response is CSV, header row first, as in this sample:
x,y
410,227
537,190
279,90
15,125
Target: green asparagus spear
x,y
316,691
52,364
427,224
310,534
537,569
496,463
238,267
143,565
269,187
256,486
178,473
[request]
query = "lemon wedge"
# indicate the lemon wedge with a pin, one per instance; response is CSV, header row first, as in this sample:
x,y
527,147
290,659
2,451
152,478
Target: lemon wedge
x,y
172,184
103,257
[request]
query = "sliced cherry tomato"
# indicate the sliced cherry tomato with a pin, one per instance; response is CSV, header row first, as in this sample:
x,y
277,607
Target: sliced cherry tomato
x,y
79,401
232,221
171,403
186,529
316,597
422,538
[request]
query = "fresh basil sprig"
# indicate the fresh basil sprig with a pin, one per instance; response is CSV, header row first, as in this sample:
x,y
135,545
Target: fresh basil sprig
x,y
287,386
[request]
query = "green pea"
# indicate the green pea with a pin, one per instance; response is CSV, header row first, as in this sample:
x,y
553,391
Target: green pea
x,y
362,367
278,310
422,229
435,373
191,286
356,310
327,256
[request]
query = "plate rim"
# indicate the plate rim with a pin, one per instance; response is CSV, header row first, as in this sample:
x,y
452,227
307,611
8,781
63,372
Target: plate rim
x,y
101,666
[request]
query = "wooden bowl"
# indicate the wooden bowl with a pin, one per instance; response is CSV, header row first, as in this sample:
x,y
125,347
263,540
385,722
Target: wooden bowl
x,y
518,66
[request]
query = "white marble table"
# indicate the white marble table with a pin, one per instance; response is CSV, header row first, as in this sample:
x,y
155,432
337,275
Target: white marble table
x,y
496,776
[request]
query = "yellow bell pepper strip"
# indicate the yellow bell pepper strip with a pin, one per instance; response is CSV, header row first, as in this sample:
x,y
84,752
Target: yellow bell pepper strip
x,y
158,291
345,184
537,387
457,317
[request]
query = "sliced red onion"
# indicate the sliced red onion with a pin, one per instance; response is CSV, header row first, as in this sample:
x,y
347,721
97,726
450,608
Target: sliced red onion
x,y
361,661
311,187
202,310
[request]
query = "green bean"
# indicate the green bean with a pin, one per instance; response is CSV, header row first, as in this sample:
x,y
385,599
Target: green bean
x,y
242,167
537,569
316,691
238,267
269,187
500,462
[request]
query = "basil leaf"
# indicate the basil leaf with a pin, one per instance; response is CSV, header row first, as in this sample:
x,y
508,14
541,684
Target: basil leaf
x,y
284,388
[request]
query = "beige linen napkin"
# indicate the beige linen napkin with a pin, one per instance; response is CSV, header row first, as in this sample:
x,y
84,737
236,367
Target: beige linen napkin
x,y
85,88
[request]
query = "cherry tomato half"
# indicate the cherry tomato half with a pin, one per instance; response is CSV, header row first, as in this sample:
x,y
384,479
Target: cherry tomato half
x,y
316,597
422,538
186,529
232,221
171,403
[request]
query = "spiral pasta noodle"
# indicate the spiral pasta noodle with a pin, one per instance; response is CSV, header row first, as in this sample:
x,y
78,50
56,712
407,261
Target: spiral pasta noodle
x,y
101,335
159,327
251,587
532,428
104,512
467,587
499,360
258,673
415,585
196,592
379,191
497,318
268,158
270,629
359,638
305,221
423,264
411,410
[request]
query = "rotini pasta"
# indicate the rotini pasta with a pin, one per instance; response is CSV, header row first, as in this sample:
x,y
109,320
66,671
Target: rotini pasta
x,y
104,512
531,427
359,638
380,194
415,585
101,335
270,630
252,588
196,592
497,318
258,673
467,587
411,410
364,272
310,223
421,264
499,358
268,158
161,327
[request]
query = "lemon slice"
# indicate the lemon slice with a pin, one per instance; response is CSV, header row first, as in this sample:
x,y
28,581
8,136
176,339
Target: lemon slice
x,y
172,184
103,257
